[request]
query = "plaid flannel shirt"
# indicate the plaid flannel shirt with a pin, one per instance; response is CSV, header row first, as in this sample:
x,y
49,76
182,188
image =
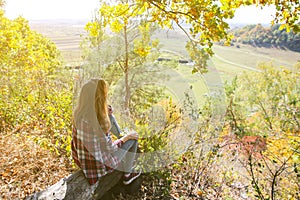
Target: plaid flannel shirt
x,y
92,152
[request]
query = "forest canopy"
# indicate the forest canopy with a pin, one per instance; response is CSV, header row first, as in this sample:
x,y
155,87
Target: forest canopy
x,y
260,36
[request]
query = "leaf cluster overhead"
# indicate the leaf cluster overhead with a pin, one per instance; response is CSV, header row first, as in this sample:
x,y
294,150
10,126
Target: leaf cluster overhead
x,y
203,21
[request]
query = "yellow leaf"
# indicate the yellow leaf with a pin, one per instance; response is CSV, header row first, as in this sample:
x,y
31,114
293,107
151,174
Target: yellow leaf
x,y
282,26
116,26
200,193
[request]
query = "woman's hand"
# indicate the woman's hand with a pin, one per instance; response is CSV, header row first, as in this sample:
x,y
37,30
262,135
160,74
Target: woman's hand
x,y
110,109
132,135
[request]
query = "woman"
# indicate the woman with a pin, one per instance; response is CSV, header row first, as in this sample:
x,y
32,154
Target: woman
x,y
92,147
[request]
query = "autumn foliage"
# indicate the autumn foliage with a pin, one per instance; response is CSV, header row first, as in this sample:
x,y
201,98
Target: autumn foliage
x,y
253,152
35,110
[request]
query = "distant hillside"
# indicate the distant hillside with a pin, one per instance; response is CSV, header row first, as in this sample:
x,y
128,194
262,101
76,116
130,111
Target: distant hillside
x,y
260,36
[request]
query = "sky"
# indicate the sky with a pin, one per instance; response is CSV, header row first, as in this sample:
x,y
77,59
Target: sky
x,y
51,9
84,9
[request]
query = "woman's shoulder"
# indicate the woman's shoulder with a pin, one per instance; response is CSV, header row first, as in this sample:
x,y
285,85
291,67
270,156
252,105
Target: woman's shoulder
x,y
88,127
84,125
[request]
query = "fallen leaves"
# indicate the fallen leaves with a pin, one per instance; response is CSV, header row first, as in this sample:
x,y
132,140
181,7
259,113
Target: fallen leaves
x,y
26,168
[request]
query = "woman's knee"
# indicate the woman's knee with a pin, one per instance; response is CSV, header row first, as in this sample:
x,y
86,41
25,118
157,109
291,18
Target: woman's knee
x,y
131,142
130,145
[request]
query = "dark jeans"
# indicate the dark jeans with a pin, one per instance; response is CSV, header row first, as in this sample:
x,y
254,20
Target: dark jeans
x,y
127,155
115,128
127,152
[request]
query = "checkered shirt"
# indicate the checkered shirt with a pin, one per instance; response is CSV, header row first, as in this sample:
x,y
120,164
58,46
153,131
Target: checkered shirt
x,y
92,152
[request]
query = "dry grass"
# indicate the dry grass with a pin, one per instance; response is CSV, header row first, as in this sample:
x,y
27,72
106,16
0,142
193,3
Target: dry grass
x,y
25,167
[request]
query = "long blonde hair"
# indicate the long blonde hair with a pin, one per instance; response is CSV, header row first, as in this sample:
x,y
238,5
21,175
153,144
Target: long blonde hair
x,y
101,105
92,105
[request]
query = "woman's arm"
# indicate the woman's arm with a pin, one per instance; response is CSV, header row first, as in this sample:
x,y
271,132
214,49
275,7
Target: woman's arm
x,y
132,135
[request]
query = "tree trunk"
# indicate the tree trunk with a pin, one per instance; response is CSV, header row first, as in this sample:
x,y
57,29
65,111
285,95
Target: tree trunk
x,y
76,187
126,71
